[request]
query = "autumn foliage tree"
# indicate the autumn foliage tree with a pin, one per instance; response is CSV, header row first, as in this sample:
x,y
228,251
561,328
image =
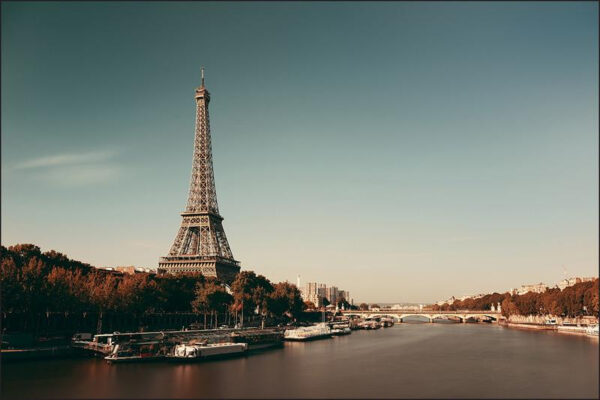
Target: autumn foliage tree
x,y
573,301
286,300
309,305
34,282
211,298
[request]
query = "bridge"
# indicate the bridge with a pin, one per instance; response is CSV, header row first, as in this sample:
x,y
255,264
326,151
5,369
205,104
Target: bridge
x,y
399,315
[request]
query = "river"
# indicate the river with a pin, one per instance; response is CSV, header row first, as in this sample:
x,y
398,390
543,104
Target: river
x,y
405,361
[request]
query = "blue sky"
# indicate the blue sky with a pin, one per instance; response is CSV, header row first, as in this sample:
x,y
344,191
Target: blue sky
x,y
403,151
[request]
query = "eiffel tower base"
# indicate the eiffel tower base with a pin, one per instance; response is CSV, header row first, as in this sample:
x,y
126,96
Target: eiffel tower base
x,y
217,267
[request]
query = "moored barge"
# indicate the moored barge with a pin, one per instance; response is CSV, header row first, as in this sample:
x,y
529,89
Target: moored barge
x,y
195,352
319,331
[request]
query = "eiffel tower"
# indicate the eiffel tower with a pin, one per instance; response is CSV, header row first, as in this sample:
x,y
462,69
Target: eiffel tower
x,y
200,244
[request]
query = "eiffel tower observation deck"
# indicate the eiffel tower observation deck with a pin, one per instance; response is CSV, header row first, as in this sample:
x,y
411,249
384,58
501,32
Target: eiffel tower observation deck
x,y
200,244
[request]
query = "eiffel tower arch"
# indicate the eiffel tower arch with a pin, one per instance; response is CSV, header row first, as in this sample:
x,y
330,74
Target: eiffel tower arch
x,y
200,244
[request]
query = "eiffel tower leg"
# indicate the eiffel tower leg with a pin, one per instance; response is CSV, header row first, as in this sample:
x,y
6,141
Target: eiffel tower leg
x,y
178,241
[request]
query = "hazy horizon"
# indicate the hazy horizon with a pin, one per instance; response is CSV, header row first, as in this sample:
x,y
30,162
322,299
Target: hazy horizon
x,y
405,152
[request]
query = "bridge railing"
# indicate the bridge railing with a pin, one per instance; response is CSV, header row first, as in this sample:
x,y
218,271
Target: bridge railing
x,y
417,311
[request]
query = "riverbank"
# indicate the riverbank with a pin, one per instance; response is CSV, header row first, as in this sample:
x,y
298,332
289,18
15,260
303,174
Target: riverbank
x,y
39,353
568,330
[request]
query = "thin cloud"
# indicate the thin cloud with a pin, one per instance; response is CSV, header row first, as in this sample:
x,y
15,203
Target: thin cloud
x,y
73,169
67,159
80,174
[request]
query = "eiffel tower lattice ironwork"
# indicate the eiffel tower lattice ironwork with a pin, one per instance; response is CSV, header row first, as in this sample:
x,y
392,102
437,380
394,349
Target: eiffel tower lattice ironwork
x,y
200,244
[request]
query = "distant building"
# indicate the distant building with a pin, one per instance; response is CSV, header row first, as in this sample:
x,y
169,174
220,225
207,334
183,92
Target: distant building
x,y
565,283
344,294
321,294
410,307
332,294
135,270
469,296
535,288
110,270
449,301
310,292
316,292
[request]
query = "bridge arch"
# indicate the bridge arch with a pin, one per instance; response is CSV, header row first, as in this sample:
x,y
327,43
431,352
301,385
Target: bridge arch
x,y
416,315
491,317
452,317
394,316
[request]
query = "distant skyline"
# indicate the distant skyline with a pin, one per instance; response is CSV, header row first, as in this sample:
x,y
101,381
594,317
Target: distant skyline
x,y
405,152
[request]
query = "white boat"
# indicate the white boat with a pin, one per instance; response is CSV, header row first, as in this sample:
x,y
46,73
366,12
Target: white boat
x,y
387,322
339,325
342,331
101,344
369,325
319,331
202,351
592,330
142,351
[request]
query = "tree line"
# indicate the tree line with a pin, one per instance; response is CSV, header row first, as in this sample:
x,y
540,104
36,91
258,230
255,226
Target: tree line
x,y
573,301
35,282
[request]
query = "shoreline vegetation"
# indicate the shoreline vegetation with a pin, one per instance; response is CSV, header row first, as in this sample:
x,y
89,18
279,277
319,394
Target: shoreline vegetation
x,y
50,283
47,297
577,304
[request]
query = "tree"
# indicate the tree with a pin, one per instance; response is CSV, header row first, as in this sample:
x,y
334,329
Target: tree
x,y
590,299
175,292
136,294
211,297
363,306
527,304
25,251
101,289
251,292
508,307
12,294
286,299
242,288
309,305
200,303
548,302
342,303
66,290
261,296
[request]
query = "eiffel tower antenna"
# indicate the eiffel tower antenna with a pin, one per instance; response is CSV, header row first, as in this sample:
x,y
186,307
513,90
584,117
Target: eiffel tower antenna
x,y
200,244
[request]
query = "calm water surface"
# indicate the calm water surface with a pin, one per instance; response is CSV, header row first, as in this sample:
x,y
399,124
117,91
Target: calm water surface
x,y
408,360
